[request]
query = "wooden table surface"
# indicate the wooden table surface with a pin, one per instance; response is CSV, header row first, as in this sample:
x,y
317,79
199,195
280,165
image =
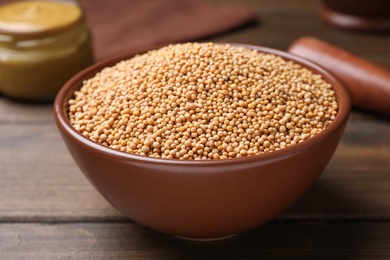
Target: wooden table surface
x,y
48,210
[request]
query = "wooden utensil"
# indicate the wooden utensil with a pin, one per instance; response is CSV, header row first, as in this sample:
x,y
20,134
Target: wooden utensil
x,y
368,83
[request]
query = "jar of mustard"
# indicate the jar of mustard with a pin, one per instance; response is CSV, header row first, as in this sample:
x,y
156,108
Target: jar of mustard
x,y
42,45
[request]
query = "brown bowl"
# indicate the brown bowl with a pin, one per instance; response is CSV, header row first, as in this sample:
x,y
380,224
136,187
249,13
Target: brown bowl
x,y
361,15
209,198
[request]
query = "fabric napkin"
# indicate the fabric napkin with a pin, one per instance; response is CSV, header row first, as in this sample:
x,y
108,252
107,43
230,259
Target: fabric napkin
x,y
124,25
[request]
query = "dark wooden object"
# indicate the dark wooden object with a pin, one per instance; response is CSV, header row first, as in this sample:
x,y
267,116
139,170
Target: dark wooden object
x,y
360,15
368,84
48,210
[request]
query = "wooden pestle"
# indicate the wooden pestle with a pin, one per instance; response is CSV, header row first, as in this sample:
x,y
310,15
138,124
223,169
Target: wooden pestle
x,y
368,84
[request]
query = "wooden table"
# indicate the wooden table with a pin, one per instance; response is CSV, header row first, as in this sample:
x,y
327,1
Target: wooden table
x,y
48,210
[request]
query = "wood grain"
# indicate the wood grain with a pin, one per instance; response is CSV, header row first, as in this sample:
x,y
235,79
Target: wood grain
x,y
130,241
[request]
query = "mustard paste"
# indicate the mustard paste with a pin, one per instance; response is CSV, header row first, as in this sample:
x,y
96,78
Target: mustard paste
x,y
37,16
42,45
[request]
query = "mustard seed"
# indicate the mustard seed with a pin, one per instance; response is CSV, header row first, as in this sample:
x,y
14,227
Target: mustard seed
x,y
198,101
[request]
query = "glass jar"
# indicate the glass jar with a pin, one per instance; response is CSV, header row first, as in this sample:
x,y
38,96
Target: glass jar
x,y
42,45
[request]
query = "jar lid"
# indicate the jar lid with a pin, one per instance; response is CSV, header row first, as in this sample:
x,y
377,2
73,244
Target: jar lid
x,y
39,18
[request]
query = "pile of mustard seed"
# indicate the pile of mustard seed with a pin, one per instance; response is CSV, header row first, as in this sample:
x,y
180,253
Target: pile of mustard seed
x,y
202,101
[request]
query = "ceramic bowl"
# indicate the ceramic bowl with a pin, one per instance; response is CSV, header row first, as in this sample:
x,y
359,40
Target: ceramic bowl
x,y
207,198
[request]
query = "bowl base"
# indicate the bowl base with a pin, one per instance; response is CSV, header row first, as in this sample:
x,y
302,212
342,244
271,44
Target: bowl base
x,y
212,239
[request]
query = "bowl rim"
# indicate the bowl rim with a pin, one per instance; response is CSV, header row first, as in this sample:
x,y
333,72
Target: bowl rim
x,y
62,121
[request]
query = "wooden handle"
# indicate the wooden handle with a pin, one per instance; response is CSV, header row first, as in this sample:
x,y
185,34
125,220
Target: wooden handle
x,y
368,84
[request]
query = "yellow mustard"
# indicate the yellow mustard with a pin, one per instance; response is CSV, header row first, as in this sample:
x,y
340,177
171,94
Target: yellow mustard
x,y
42,45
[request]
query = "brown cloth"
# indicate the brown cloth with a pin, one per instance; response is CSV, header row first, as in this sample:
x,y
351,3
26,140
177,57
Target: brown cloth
x,y
124,25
